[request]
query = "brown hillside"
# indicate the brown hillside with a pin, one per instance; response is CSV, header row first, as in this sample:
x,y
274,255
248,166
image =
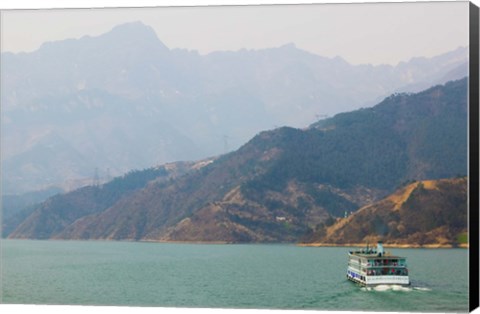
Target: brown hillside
x,y
238,219
425,213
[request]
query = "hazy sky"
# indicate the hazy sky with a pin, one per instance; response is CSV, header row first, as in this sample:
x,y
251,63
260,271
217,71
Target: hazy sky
x,y
360,33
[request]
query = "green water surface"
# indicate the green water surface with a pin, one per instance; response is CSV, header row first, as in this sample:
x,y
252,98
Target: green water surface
x,y
224,276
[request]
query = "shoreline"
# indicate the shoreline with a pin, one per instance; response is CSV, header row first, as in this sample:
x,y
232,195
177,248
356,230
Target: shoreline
x,y
315,244
183,242
390,245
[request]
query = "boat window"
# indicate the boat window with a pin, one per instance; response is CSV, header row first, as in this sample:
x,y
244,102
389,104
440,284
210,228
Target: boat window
x,y
387,272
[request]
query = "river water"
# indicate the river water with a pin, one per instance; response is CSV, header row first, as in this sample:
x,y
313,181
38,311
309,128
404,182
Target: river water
x,y
222,276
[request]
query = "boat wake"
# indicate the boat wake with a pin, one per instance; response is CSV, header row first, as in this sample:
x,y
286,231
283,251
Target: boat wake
x,y
422,289
395,288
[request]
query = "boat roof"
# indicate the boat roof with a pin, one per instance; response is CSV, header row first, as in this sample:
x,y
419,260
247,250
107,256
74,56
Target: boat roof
x,y
375,256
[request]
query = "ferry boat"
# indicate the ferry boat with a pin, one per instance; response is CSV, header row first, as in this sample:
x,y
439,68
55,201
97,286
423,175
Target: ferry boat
x,y
373,267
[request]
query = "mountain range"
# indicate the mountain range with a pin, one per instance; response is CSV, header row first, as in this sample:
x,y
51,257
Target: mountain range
x,y
283,184
104,105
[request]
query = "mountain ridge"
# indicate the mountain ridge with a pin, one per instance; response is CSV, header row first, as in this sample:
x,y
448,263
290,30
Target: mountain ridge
x,y
285,182
106,89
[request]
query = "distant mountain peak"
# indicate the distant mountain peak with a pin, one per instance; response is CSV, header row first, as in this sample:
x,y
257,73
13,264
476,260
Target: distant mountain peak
x,y
135,28
136,32
128,35
288,46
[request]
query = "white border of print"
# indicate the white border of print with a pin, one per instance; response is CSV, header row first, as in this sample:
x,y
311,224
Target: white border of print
x,y
50,4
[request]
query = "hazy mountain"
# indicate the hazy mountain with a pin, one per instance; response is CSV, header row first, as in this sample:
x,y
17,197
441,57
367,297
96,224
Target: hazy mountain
x,y
63,144
123,100
422,213
283,182
15,208
83,201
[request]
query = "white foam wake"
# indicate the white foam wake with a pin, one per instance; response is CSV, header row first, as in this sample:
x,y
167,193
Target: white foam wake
x,y
422,289
396,288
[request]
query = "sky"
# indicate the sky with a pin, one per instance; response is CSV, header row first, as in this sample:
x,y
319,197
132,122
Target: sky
x,y
375,33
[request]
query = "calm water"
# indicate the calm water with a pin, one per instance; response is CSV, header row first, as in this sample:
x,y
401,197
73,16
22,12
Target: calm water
x,y
227,276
